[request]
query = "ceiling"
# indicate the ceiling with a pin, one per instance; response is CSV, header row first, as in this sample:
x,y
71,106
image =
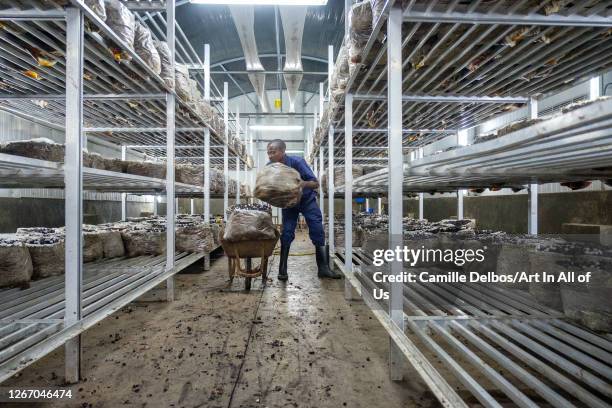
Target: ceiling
x,y
213,24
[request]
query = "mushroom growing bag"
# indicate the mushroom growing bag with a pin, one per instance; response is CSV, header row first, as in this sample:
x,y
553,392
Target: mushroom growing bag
x,y
279,186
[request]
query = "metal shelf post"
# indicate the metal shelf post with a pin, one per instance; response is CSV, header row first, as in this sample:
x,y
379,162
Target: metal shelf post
x,y
207,135
123,195
348,194
170,136
321,192
237,124
330,196
74,188
532,223
225,150
396,173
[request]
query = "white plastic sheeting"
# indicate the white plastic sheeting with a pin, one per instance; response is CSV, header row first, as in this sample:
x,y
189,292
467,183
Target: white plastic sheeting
x,y
293,19
244,19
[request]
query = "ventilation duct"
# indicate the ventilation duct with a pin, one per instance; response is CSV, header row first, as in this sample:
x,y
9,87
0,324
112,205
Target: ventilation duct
x,y
293,19
244,19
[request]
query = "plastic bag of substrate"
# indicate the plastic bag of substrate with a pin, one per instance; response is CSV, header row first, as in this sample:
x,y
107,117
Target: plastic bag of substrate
x,y
94,161
246,224
93,249
48,255
15,263
121,21
195,238
144,47
116,165
165,66
97,6
377,7
279,185
360,22
112,243
41,149
339,174
146,169
139,242
195,91
181,82
190,174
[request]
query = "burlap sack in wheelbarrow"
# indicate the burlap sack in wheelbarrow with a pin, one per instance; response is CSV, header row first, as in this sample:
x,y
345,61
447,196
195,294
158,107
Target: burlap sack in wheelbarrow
x,y
245,224
249,232
279,185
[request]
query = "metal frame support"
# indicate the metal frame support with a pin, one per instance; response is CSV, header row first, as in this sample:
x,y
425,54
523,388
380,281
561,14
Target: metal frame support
x,y
421,206
396,175
237,179
506,19
532,223
595,87
191,206
447,98
330,67
123,195
330,197
170,142
367,205
73,180
321,100
348,192
207,136
237,124
321,192
156,205
225,150
459,204
379,204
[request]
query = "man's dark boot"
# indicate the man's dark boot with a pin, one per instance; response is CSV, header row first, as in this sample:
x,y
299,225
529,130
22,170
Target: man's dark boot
x,y
323,264
282,265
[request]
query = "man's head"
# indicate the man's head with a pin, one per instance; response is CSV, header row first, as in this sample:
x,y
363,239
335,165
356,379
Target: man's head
x,y
276,150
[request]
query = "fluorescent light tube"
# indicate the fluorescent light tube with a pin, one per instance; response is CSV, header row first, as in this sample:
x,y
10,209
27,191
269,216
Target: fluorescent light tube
x,y
264,2
277,128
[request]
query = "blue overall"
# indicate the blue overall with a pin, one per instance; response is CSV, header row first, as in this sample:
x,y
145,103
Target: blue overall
x,y
307,206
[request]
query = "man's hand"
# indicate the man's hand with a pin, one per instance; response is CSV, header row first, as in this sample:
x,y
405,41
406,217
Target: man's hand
x,y
314,185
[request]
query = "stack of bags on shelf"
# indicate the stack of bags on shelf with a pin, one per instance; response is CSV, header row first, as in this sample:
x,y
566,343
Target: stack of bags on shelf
x,y
35,253
362,17
48,150
156,55
357,171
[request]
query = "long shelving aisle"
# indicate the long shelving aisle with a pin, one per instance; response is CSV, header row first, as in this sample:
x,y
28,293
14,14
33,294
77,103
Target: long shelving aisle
x,y
65,68
428,70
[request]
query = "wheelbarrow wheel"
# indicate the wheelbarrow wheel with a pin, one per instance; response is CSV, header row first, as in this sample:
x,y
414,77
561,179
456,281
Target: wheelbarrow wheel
x,y
247,284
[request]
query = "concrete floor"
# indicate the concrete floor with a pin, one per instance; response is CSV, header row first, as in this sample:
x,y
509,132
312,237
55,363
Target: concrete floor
x,y
298,344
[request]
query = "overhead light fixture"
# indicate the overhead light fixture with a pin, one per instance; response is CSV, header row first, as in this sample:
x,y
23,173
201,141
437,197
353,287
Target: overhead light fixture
x,y
263,2
278,128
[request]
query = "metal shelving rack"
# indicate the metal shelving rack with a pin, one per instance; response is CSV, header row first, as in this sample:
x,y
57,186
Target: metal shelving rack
x,y
87,92
444,66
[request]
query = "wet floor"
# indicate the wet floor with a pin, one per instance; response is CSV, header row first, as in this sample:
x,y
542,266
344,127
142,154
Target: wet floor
x,y
294,344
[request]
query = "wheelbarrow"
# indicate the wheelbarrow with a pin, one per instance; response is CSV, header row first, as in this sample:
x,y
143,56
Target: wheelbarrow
x,y
248,250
